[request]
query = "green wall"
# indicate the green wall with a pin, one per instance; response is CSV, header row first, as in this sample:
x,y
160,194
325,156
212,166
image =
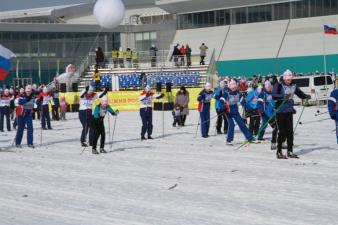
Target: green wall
x,y
300,64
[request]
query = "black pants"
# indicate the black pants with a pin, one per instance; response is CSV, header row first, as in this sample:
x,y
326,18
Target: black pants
x,y
202,60
220,118
55,113
285,130
38,114
254,124
99,130
183,119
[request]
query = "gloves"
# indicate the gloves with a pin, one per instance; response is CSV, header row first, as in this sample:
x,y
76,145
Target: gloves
x,y
105,91
308,97
116,112
333,116
87,88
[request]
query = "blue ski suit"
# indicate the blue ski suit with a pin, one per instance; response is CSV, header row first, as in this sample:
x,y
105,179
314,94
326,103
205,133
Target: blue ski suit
x,y
204,99
25,118
332,105
233,98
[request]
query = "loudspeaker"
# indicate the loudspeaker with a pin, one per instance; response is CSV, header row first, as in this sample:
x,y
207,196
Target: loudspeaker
x,y
159,87
158,106
168,106
75,87
63,88
168,87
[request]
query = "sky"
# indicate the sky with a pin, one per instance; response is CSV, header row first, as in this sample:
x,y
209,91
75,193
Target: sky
x,y
6,5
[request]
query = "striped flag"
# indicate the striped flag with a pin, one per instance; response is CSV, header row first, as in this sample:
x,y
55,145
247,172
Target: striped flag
x,y
330,30
5,61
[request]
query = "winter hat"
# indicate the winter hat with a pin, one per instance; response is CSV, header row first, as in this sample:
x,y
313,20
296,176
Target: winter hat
x,y
267,84
207,86
147,88
232,85
287,75
104,100
222,83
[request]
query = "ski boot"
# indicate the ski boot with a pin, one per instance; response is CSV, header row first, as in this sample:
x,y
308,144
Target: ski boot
x,y
292,155
254,141
94,151
273,146
31,146
149,137
230,143
102,150
280,155
84,144
143,138
18,146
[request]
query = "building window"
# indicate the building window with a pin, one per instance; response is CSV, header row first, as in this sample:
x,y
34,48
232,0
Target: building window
x,y
144,40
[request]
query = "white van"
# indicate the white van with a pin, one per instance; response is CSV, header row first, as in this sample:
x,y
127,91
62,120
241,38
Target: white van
x,y
316,86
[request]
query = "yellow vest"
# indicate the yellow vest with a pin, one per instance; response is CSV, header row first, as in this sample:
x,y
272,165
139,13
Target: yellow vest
x,y
115,54
128,54
135,55
97,76
121,54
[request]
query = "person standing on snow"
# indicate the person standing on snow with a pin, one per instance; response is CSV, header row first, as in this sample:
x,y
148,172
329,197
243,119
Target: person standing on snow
x,y
220,109
146,111
5,102
43,100
230,100
252,100
204,101
266,106
87,97
283,93
332,105
99,113
24,113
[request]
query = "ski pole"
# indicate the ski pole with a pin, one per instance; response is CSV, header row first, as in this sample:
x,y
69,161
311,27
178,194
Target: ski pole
x,y
109,129
315,121
112,138
300,116
198,124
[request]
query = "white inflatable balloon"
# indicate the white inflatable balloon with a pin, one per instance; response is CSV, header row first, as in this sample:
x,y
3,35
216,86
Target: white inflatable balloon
x,y
109,13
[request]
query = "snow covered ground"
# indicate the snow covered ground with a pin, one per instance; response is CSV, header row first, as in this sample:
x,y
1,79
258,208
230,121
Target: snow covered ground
x,y
176,180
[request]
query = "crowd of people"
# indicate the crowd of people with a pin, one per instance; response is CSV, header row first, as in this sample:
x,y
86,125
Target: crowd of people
x,y
269,103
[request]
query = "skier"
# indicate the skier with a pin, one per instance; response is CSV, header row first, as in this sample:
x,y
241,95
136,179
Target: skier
x,y
333,108
146,111
18,107
266,106
5,100
230,101
204,100
283,93
43,100
99,113
24,113
87,97
252,100
220,109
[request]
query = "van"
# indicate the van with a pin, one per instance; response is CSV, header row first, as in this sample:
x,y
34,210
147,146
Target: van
x,y
316,85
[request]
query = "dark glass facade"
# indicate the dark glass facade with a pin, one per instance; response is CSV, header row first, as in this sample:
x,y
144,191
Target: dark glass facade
x,y
262,13
51,51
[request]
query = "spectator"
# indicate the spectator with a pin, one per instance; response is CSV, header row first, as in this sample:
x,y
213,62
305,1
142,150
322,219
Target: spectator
x,y
135,56
153,55
203,53
99,57
115,57
182,55
182,100
176,54
63,108
188,55
55,107
121,57
97,78
128,57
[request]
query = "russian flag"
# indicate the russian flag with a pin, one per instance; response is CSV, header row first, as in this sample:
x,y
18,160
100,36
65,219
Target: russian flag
x,y
5,61
330,30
